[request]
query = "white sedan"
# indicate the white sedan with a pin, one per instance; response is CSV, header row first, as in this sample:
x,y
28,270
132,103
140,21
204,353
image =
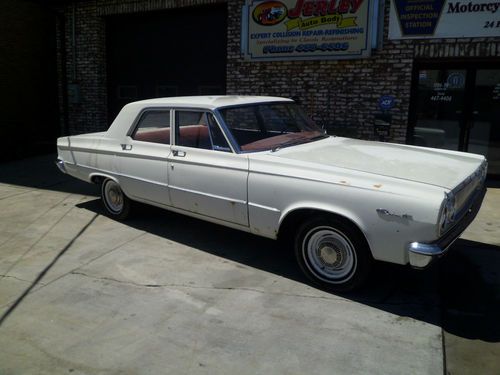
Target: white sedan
x,y
258,164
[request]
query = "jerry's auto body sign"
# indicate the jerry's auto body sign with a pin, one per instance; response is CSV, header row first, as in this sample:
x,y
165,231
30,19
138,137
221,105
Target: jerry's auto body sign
x,y
306,29
444,19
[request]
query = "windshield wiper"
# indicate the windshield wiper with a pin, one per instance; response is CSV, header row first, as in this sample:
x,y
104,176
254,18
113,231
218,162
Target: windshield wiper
x,y
298,142
322,136
288,144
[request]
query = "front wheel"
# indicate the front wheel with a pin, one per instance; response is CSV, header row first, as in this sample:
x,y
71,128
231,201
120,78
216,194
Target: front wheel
x,y
116,203
333,254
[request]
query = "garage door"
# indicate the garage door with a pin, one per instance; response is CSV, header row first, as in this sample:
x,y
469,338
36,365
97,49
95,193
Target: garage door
x,y
169,53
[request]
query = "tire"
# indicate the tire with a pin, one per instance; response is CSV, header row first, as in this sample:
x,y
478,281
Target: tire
x,y
333,254
116,203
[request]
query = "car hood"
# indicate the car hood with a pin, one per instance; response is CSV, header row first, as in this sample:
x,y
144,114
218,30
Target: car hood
x,y
426,165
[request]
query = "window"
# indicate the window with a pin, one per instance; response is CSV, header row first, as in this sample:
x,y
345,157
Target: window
x,y
153,126
199,129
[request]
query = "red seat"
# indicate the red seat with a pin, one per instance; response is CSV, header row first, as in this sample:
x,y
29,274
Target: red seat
x,y
194,136
189,135
154,136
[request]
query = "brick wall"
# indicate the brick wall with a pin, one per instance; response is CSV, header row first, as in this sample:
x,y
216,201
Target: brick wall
x,y
345,93
89,59
342,93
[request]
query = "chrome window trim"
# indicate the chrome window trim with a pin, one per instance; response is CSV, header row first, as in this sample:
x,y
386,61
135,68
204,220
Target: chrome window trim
x,y
227,133
173,139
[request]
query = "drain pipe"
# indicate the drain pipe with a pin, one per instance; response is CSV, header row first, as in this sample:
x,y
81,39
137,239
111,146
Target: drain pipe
x,y
74,96
73,42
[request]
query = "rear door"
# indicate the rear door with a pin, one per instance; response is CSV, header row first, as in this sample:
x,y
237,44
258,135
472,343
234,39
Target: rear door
x,y
142,159
205,176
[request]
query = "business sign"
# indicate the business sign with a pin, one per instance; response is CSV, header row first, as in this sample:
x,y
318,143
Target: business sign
x,y
306,29
423,19
386,102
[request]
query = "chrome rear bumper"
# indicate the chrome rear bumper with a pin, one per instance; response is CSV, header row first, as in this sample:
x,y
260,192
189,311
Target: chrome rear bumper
x,y
422,254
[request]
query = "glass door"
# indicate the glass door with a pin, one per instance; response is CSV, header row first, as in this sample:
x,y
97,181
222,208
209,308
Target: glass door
x,y
457,107
484,132
440,99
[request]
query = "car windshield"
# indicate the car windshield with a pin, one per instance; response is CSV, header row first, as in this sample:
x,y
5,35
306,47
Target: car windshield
x,y
270,126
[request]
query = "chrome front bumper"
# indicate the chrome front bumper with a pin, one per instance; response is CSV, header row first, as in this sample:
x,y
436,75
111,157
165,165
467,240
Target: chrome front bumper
x,y
422,254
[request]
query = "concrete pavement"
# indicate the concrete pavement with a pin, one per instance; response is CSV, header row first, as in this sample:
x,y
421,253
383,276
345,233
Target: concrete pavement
x,y
163,293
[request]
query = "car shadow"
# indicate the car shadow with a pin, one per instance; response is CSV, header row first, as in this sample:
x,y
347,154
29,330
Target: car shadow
x,y
458,293
470,290
40,172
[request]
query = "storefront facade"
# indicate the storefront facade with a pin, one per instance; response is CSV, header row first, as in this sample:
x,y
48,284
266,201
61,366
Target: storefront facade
x,y
404,84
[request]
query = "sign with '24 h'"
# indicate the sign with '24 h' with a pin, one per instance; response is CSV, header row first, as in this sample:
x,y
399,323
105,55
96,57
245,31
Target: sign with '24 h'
x,y
306,29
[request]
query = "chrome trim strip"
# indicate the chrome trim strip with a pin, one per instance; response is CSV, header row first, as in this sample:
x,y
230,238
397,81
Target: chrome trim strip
x,y
263,207
174,160
96,171
118,153
141,179
208,195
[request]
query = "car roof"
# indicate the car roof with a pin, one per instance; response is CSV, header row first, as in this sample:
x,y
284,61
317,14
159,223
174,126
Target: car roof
x,y
209,102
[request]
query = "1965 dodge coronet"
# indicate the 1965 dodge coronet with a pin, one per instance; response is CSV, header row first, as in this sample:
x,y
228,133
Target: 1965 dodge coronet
x,y
258,164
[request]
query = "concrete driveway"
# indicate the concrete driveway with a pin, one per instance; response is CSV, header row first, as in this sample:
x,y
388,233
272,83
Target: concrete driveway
x,y
163,293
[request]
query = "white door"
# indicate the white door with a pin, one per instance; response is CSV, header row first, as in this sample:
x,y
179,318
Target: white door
x,y
205,176
142,160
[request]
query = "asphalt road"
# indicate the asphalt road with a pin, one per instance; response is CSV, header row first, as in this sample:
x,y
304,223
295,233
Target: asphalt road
x,y
163,293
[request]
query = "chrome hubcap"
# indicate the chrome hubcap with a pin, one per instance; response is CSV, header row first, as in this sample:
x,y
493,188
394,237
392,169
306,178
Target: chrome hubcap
x,y
113,196
329,254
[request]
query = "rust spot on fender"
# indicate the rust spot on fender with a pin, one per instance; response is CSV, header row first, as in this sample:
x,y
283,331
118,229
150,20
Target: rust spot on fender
x,y
378,186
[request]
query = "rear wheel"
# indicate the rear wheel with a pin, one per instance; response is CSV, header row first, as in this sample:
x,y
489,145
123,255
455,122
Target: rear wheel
x,y
116,203
332,253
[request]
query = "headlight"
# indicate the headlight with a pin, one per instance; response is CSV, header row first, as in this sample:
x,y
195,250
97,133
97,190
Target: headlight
x,y
447,213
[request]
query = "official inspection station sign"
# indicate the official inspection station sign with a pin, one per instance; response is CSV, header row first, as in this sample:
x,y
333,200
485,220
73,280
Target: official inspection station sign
x,y
424,19
306,29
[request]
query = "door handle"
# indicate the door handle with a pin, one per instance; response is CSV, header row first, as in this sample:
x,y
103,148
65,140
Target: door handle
x,y
179,153
126,147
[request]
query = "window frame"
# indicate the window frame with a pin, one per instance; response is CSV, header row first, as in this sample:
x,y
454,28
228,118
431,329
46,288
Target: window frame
x,y
135,124
173,132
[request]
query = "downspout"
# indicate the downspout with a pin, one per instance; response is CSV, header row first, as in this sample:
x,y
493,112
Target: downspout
x,y
63,93
73,42
64,73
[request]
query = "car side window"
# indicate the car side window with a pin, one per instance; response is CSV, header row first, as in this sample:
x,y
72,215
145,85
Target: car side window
x,y
199,129
219,142
154,127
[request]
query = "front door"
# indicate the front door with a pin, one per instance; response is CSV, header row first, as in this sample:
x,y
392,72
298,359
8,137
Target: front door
x,y
457,107
205,176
